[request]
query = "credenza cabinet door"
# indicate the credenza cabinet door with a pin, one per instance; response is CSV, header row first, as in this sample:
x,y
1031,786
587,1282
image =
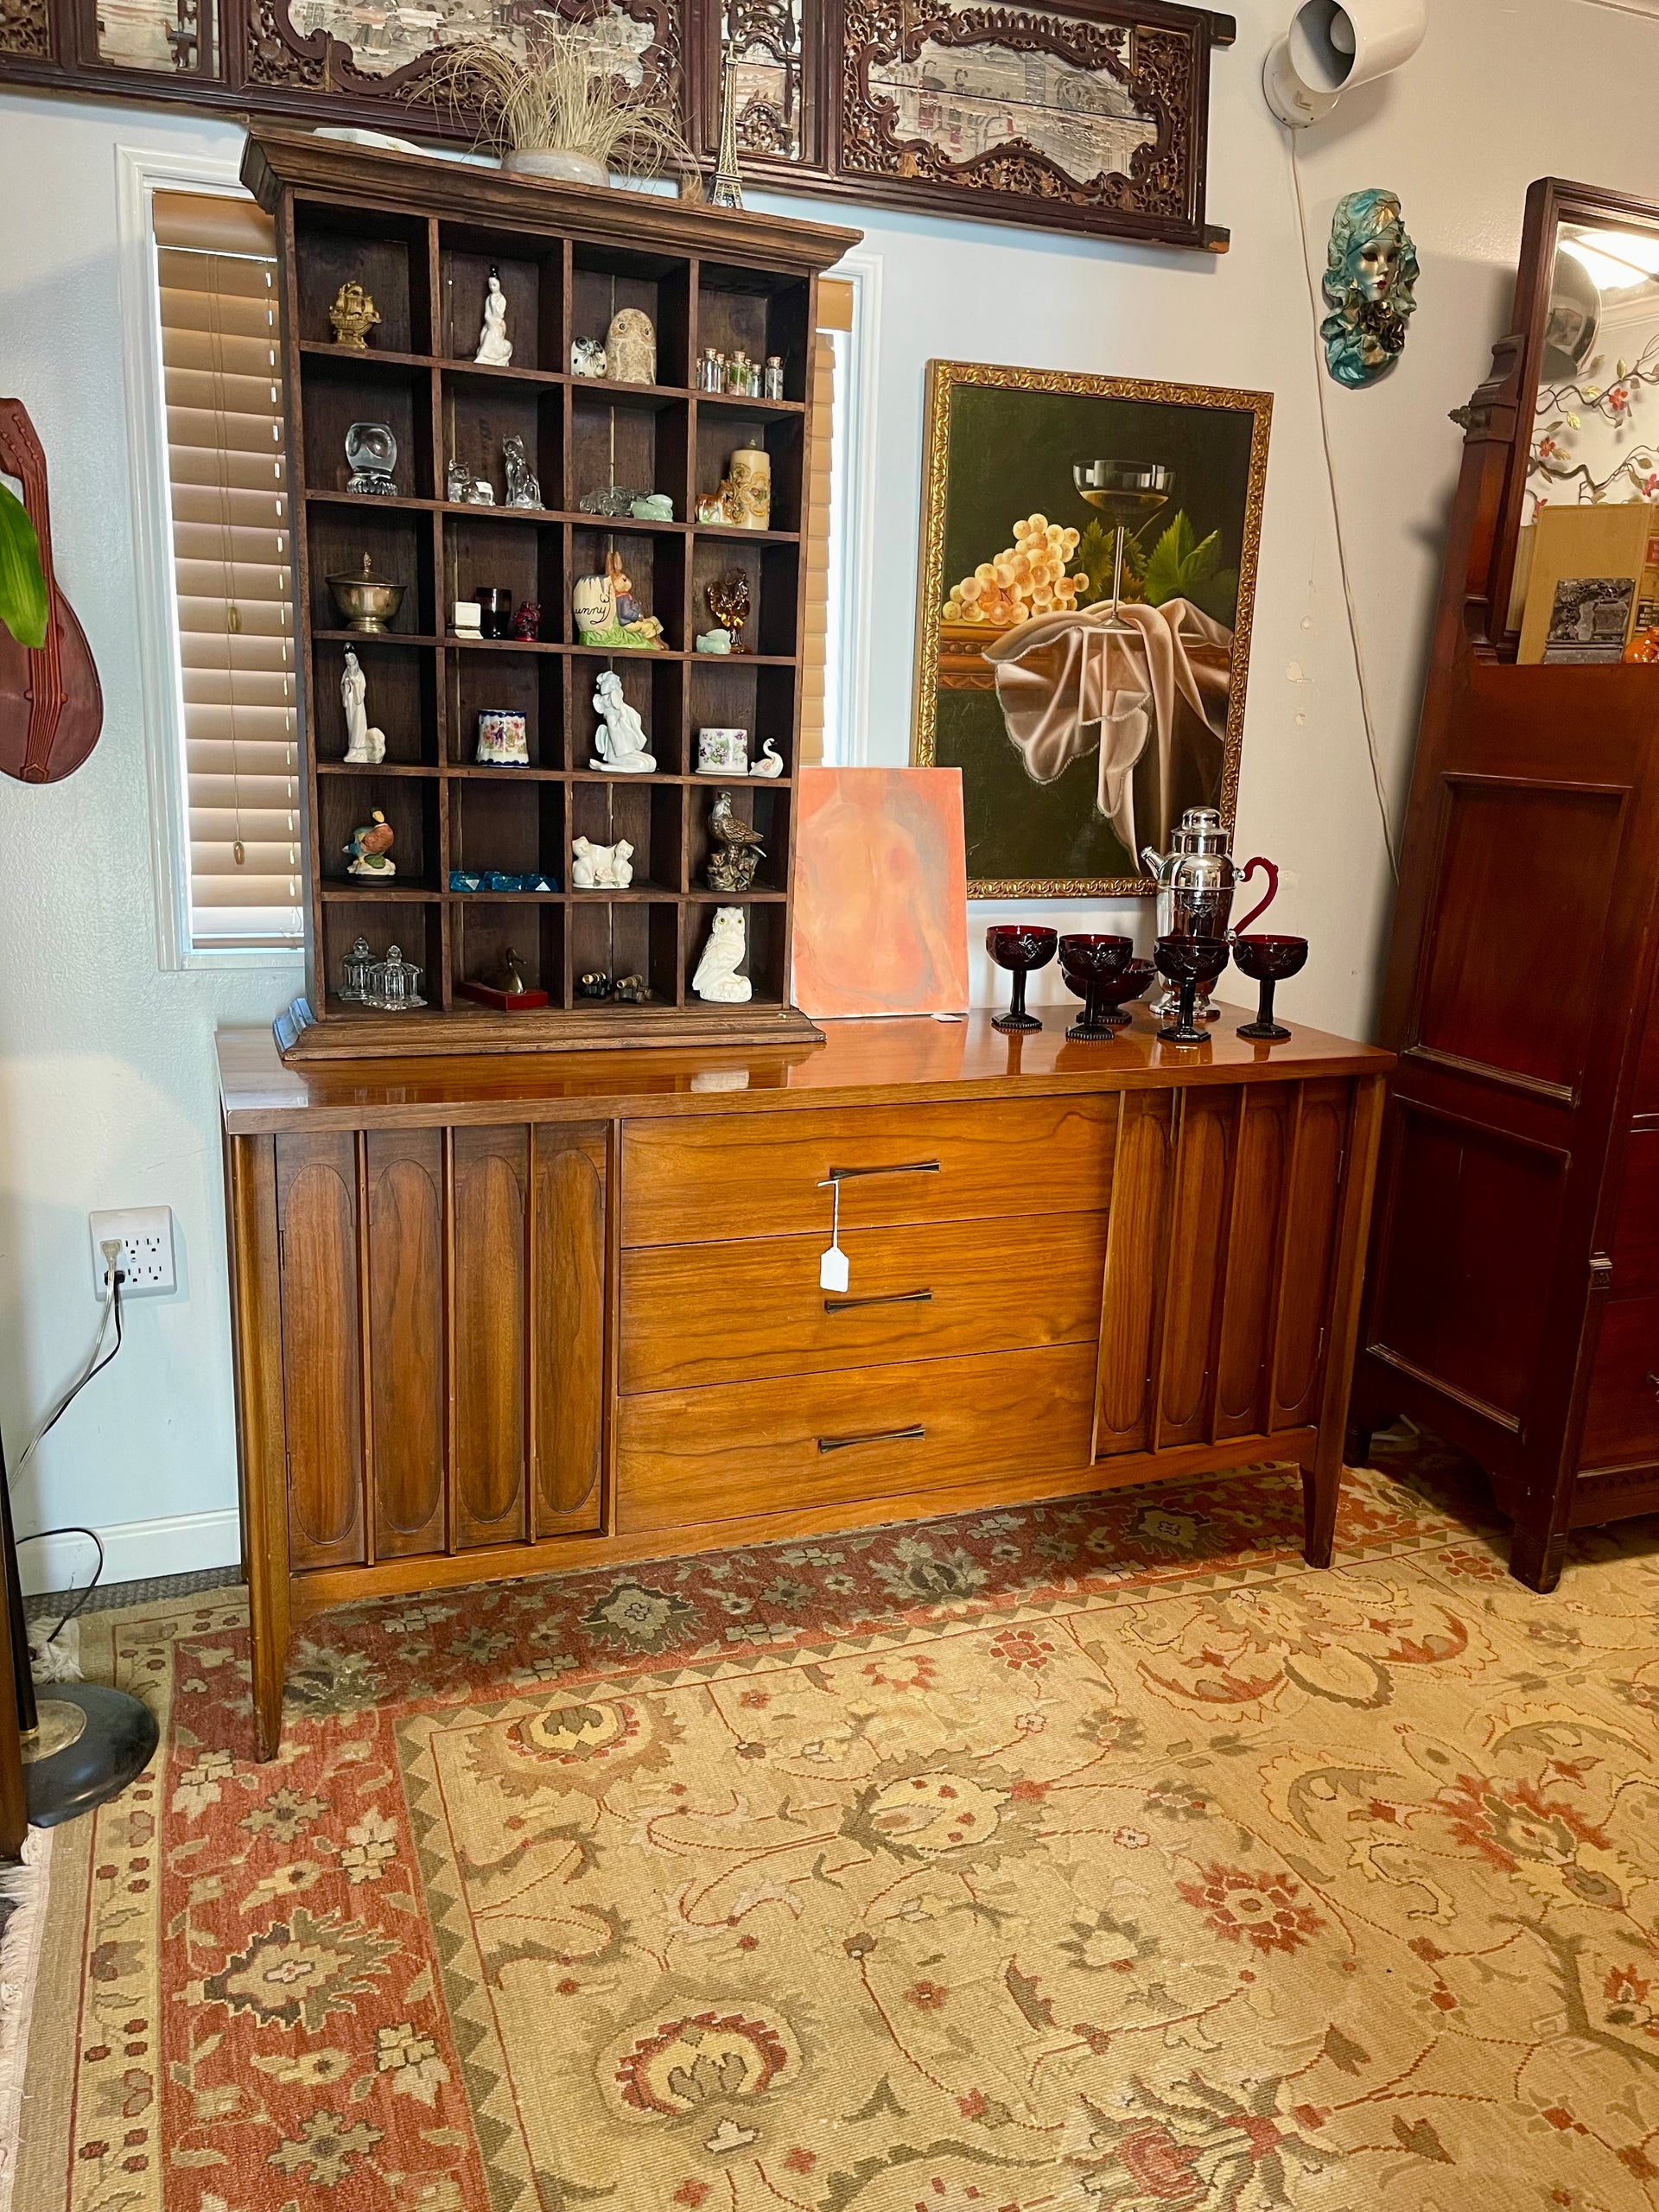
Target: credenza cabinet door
x,y
317,1225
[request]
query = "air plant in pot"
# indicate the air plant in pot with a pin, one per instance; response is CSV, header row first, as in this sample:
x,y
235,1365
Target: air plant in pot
x,y
559,110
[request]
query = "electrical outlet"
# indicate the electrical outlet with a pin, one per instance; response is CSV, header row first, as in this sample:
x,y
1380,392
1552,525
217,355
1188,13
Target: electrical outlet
x,y
145,1234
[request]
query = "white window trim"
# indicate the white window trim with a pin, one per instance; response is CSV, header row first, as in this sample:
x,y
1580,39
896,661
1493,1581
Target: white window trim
x,y
850,627
141,173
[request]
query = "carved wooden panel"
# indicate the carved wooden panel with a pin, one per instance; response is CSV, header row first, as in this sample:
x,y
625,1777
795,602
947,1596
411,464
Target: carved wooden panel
x,y
1136,1240
1253,1243
1320,1137
317,1221
1621,1419
491,1167
1197,1262
569,1371
405,1173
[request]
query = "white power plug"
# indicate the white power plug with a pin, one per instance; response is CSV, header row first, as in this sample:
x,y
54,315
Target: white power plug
x,y
142,1240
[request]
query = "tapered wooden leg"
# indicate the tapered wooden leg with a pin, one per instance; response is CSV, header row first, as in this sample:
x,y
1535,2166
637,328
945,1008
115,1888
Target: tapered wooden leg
x,y
262,1461
1321,1488
1536,1555
1360,1439
1322,1482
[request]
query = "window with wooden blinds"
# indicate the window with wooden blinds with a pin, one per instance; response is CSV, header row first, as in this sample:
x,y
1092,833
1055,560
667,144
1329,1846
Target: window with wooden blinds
x,y
221,371
835,316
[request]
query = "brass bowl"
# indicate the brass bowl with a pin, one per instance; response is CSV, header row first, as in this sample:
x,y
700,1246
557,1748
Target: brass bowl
x,y
366,602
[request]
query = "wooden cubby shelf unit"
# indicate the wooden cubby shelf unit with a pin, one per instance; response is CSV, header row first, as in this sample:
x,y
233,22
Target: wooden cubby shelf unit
x,y
422,237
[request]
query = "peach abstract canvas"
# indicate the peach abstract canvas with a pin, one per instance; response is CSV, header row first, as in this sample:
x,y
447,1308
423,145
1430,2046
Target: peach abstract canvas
x,y
881,892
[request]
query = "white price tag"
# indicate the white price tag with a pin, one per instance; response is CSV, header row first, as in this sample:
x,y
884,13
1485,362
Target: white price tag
x,y
832,1271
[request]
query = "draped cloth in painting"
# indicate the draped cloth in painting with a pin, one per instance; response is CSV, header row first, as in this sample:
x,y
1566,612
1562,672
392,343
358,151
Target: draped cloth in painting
x,y
1067,684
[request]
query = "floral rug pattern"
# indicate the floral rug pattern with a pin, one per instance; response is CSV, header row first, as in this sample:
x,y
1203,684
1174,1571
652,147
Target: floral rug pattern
x,y
1089,1856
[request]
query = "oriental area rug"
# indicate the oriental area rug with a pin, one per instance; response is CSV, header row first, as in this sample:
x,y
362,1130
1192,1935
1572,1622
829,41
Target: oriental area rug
x,y
1097,1856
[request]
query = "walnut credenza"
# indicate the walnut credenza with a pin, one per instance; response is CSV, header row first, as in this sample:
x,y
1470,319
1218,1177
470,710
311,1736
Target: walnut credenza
x,y
502,1316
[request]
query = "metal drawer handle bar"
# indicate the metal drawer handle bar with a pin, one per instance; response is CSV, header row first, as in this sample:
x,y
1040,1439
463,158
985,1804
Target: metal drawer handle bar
x,y
888,1297
875,1436
1653,1379
904,1167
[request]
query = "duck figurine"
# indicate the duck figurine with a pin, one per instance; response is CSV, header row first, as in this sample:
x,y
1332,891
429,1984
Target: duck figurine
x,y
371,847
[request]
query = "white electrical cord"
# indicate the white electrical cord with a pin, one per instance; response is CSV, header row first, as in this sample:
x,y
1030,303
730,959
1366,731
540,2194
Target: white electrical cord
x,y
1335,511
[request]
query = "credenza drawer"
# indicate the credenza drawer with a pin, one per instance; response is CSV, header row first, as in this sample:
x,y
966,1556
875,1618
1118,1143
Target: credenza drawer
x,y
1621,1422
690,1456
734,1176
698,1315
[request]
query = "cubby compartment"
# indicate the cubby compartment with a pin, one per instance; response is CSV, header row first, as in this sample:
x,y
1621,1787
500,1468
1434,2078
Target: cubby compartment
x,y
519,831
384,252
531,684
411,805
641,939
414,926
606,279
730,691
531,273
480,411
655,564
484,932
652,684
722,431
632,438
764,807
651,816
526,559
400,699
398,544
772,574
764,942
760,312
336,393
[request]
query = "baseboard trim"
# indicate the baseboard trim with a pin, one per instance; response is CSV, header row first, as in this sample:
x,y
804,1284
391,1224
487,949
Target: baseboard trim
x,y
133,1551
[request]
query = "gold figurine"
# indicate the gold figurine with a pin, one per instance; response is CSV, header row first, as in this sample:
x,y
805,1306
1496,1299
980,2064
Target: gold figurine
x,y
353,316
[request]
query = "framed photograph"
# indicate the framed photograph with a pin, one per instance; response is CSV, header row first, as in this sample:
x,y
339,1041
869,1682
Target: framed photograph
x,y
1088,577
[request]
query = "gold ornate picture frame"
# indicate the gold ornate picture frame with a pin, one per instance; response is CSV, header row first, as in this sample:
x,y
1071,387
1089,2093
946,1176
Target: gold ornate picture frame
x,y
1084,721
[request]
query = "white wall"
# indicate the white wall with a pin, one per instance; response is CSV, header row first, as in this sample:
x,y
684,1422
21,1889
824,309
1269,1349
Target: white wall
x,y
107,1080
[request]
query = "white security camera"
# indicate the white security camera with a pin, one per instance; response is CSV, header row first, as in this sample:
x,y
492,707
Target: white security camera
x,y
1330,47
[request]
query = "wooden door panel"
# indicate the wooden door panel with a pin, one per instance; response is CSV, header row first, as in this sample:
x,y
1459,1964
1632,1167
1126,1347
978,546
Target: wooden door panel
x,y
1646,1097
1467,1251
323,1406
568,1275
1621,1421
1136,1238
490,1171
1321,1137
406,1397
1253,1249
1197,1259
735,1176
1518,923
1636,1235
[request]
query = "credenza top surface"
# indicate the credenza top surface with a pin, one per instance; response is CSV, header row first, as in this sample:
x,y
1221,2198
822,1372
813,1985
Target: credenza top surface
x,y
877,1062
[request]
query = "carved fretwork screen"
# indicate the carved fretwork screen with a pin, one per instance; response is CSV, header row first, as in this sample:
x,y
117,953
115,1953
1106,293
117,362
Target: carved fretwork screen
x,y
1086,115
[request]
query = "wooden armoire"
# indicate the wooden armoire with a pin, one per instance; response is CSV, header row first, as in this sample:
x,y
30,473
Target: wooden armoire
x,y
1512,1297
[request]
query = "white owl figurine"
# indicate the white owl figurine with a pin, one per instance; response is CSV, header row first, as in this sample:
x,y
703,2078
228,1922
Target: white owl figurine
x,y
717,977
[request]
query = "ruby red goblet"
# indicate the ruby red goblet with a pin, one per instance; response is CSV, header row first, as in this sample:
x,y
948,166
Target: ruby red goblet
x,y
1191,963
1089,964
1021,949
1133,983
1267,960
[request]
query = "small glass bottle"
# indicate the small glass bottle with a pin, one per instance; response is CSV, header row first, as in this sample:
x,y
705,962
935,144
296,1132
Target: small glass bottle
x,y
737,374
710,372
774,375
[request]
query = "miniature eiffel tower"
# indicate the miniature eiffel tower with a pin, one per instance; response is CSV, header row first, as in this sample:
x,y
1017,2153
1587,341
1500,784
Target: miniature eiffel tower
x,y
728,190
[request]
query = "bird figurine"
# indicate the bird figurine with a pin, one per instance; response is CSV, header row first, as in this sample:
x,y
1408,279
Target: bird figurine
x,y
371,847
727,827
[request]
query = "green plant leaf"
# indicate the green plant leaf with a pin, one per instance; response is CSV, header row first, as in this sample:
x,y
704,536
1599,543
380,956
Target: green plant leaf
x,y
1217,597
22,586
1094,557
1179,563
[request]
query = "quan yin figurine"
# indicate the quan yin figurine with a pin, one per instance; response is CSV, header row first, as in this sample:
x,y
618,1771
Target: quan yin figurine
x,y
717,977
630,346
523,488
601,868
494,346
371,847
620,738
366,747
1370,282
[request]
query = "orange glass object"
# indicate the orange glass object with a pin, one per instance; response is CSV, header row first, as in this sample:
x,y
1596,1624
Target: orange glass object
x,y
1644,647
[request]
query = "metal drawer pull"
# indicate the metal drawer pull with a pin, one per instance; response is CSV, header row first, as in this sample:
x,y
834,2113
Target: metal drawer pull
x,y
888,1297
1654,1379
875,1436
904,1167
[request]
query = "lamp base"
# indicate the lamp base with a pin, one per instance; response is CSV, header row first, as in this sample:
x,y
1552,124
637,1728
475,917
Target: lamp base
x,y
91,1743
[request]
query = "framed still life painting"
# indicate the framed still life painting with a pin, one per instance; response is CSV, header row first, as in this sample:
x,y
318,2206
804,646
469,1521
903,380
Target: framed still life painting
x,y
1088,577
